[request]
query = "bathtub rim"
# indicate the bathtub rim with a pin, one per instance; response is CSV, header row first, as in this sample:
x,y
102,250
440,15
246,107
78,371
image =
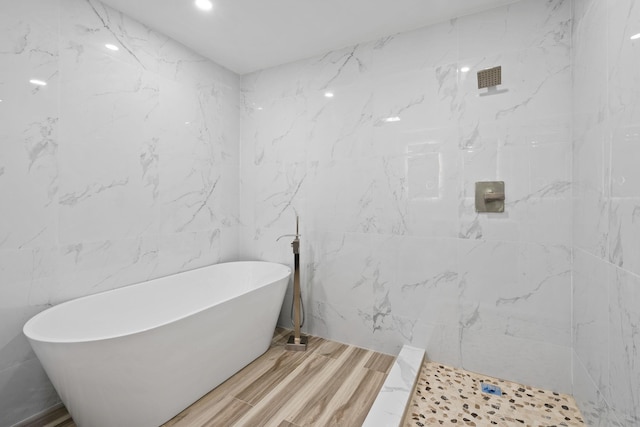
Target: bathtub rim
x,y
28,328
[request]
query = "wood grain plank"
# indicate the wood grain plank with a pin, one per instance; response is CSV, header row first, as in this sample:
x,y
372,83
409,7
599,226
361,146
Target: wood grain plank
x,y
380,362
289,392
266,368
323,400
204,413
227,416
331,349
277,372
259,373
280,336
355,403
327,385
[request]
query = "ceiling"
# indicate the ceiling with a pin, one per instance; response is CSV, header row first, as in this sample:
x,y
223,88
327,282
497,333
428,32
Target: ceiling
x,y
249,35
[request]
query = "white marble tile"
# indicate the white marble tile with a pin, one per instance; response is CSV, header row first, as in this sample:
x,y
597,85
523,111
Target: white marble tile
x,y
593,407
592,192
188,250
536,83
390,195
338,127
263,86
590,322
548,220
417,98
340,323
29,134
329,72
86,26
624,207
624,231
416,50
536,363
414,177
340,68
27,277
426,286
103,185
281,193
278,131
416,192
624,356
389,407
623,85
30,392
90,267
605,201
516,290
338,207
107,160
392,332
344,271
181,64
521,25
196,170
440,340
589,61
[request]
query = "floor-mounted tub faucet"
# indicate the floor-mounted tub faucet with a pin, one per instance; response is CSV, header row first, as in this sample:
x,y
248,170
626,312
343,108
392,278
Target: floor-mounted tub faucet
x,y
296,342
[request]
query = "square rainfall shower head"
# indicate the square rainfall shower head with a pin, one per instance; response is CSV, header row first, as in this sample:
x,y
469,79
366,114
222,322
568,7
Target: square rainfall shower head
x,y
490,77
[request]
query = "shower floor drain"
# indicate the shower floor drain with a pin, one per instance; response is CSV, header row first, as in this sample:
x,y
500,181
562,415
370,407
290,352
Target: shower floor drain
x,y
491,389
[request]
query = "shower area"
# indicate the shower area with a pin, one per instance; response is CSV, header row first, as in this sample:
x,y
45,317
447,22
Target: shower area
x,y
140,162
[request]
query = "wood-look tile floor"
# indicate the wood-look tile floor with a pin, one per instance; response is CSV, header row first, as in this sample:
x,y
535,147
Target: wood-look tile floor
x,y
330,384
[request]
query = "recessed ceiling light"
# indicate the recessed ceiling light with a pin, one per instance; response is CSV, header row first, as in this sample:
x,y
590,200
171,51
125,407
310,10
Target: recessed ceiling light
x,y
111,46
635,36
328,94
38,82
465,69
392,119
204,4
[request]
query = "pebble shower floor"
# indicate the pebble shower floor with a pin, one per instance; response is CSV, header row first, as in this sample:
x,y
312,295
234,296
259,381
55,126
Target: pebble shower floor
x,y
449,396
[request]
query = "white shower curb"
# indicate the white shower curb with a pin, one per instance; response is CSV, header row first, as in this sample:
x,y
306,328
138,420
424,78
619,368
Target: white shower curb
x,y
390,406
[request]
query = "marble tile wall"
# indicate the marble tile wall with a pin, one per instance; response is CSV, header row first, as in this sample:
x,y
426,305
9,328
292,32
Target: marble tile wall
x,y
123,168
382,176
606,272
126,166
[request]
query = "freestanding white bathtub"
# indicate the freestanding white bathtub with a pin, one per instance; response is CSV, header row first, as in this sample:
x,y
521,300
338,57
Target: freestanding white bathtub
x,y
137,356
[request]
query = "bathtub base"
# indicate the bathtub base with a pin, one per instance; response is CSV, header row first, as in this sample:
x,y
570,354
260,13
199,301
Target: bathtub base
x,y
292,346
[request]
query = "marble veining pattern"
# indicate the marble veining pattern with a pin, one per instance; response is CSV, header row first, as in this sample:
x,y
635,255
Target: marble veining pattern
x,y
134,164
606,291
385,141
124,167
